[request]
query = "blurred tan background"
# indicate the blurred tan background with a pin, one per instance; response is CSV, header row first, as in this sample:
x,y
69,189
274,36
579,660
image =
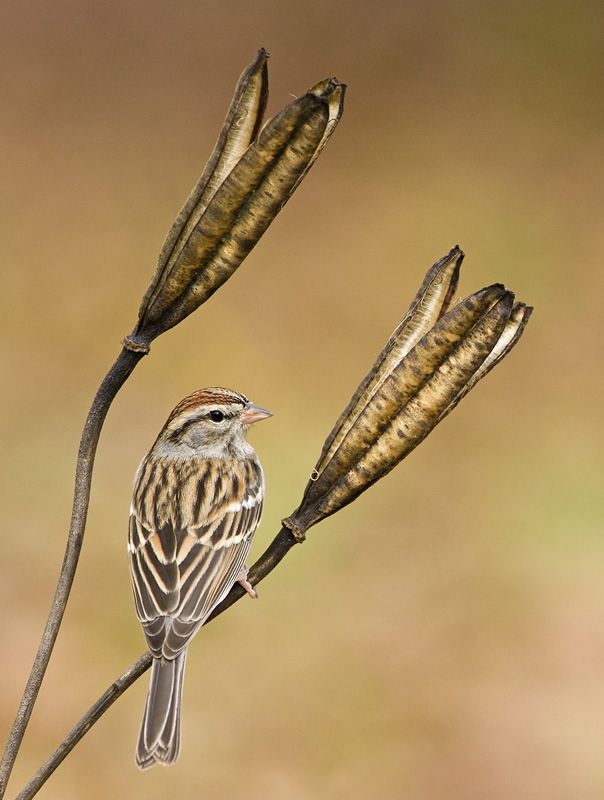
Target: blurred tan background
x,y
443,637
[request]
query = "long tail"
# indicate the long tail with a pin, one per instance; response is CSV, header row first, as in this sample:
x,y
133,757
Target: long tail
x,y
159,740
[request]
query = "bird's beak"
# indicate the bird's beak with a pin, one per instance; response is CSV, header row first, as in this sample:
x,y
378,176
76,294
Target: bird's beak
x,y
252,413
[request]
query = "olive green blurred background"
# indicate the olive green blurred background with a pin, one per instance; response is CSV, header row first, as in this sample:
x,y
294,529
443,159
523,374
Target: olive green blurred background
x,y
443,637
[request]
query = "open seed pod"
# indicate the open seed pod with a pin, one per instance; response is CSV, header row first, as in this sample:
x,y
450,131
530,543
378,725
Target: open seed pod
x,y
250,176
432,360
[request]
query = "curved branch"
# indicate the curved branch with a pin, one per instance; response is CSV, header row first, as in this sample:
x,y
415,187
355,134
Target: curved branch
x,y
108,389
276,551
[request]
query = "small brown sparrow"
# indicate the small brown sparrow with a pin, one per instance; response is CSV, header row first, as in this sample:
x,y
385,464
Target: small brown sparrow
x,y
197,500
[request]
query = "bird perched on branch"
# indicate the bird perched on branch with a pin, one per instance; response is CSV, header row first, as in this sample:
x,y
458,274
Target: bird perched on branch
x,y
198,497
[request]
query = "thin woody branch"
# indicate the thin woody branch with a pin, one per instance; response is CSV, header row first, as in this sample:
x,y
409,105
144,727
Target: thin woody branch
x,y
115,379
277,550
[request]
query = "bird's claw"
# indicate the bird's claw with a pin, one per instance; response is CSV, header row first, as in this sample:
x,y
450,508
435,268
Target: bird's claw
x,y
242,579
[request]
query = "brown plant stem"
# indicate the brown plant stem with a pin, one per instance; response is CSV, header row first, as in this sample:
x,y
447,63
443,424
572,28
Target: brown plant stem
x,y
276,551
108,389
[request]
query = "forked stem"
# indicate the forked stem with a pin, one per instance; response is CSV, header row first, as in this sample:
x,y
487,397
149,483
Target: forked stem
x,y
114,380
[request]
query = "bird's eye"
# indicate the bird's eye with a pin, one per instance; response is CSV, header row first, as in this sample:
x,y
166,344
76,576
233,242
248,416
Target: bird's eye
x,y
216,416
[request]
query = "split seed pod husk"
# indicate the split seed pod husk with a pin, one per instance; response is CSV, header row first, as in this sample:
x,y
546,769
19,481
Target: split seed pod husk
x,y
251,174
432,360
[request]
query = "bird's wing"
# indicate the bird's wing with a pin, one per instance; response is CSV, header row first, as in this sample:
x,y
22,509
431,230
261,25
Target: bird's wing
x,y
179,574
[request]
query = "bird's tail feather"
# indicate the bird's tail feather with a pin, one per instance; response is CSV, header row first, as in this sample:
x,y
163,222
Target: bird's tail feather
x,y
159,740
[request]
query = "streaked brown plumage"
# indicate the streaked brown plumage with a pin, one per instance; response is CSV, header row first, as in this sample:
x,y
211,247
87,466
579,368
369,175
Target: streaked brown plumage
x,y
197,500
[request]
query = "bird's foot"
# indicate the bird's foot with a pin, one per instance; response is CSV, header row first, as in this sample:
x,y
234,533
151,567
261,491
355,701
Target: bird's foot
x,y
242,579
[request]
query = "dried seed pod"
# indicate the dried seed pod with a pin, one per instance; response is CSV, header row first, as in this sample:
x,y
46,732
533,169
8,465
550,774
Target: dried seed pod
x,y
240,128
249,178
431,302
428,365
